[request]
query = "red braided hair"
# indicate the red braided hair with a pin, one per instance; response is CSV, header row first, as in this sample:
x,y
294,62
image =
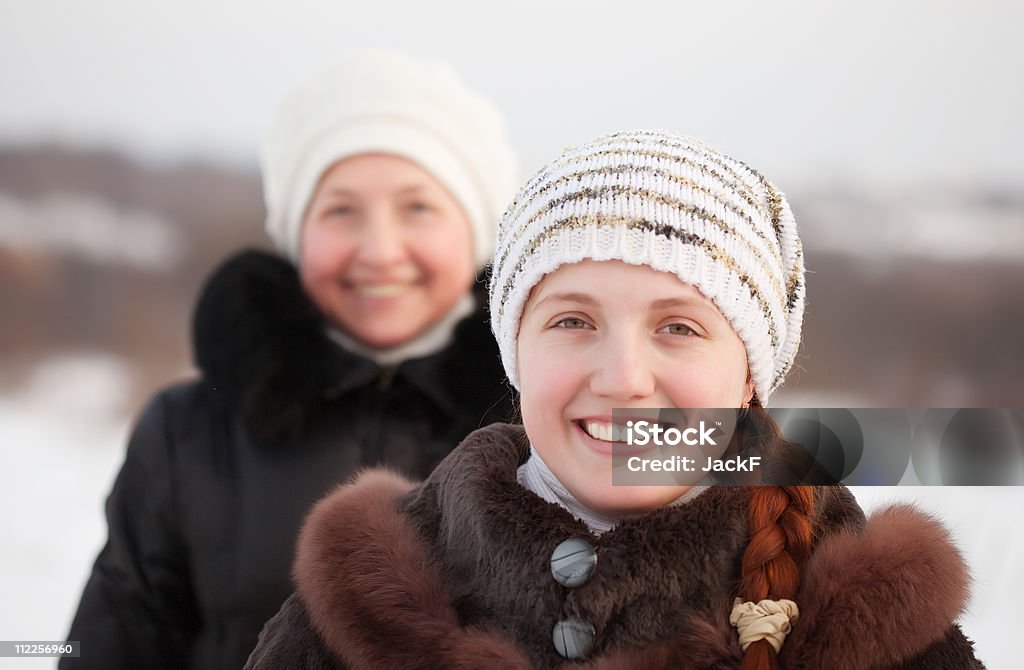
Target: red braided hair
x,y
781,539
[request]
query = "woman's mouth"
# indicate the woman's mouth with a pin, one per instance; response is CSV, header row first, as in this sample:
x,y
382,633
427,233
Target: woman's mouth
x,y
616,438
382,289
605,431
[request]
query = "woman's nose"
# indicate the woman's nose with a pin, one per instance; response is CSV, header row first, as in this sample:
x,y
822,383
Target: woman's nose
x,y
382,242
623,370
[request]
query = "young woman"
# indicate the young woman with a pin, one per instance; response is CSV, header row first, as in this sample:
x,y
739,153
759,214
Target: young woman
x,y
643,270
366,344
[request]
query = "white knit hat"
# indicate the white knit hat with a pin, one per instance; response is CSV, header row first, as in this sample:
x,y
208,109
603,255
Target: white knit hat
x,y
672,203
387,102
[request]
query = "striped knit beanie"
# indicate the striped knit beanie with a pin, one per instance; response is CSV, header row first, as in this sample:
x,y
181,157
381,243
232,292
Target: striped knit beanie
x,y
676,205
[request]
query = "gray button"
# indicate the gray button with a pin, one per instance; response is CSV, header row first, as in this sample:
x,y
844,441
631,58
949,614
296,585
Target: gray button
x,y
573,638
572,562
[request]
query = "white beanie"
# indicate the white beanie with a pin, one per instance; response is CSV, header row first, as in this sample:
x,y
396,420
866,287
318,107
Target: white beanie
x,y
387,102
676,205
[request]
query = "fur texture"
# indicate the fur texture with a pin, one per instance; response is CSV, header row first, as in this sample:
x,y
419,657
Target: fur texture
x,y
898,583
454,573
409,619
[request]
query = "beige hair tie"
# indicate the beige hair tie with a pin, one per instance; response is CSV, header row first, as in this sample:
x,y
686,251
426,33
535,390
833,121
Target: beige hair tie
x,y
767,620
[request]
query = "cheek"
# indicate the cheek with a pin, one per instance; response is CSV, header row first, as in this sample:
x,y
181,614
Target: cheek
x,y
324,253
548,386
444,252
533,389
709,381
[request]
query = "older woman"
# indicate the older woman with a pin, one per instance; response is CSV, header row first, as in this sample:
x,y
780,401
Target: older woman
x,y
366,344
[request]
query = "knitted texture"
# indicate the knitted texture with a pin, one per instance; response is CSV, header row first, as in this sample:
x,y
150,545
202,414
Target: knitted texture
x,y
383,101
672,203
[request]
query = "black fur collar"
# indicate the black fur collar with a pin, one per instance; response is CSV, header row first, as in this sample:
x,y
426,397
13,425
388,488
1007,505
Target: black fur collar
x,y
263,350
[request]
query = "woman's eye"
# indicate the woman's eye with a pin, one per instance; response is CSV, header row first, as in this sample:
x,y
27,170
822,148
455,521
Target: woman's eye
x,y
418,207
341,210
572,323
679,329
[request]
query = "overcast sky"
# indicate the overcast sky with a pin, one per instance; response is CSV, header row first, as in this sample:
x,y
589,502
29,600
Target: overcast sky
x,y
876,90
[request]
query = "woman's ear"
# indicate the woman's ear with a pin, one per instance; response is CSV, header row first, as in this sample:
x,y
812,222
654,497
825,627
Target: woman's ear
x,y
749,397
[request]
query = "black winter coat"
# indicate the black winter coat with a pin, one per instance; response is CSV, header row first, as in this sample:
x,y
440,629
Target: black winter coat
x,y
220,472
456,573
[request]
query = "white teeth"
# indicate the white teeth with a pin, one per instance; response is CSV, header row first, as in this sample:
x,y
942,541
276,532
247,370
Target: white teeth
x,y
381,290
607,432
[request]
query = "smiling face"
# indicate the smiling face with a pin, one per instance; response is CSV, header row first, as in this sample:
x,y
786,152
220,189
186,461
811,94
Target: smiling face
x,y
601,335
386,250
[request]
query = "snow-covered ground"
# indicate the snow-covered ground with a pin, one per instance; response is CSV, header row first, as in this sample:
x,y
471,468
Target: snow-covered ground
x,y
62,440
61,443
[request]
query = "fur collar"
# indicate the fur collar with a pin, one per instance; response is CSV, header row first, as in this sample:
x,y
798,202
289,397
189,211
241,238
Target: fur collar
x,y
263,349
449,573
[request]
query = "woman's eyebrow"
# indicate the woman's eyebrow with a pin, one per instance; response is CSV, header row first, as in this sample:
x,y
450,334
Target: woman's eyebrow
x,y
411,188
581,298
402,190
590,301
668,303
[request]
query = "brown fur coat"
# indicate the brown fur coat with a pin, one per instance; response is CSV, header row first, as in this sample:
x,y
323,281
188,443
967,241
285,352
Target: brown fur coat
x,y
455,573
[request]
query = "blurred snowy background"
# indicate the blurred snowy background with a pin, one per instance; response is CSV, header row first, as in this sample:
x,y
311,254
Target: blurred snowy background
x,y
128,142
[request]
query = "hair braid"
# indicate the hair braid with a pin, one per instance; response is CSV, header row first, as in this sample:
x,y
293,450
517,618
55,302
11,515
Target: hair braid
x,y
781,538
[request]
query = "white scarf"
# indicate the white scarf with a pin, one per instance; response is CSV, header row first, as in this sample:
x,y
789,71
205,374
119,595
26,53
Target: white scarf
x,y
431,341
534,475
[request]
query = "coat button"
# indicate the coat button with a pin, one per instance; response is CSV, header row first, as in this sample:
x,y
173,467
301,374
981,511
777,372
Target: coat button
x,y
573,562
573,638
